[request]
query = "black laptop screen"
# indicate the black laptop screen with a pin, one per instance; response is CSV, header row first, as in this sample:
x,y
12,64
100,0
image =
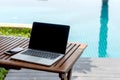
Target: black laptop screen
x,y
49,37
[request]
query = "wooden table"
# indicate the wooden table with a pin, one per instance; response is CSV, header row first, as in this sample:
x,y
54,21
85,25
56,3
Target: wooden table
x,y
62,67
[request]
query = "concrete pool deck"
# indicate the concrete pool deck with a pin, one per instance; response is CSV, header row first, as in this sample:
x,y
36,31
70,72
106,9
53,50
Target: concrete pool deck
x,y
84,69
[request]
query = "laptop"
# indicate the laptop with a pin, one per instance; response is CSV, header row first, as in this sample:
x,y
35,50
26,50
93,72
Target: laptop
x,y
47,44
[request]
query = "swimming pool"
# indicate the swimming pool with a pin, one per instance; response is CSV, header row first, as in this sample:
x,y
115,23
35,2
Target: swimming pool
x,y
92,21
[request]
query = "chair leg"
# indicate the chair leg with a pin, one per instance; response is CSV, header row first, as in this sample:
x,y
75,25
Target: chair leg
x,y
66,76
63,76
69,74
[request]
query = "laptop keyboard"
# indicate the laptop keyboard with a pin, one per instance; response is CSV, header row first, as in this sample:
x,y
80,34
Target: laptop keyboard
x,y
43,54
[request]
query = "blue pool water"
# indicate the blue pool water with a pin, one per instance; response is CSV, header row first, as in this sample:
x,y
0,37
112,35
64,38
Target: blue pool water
x,y
94,22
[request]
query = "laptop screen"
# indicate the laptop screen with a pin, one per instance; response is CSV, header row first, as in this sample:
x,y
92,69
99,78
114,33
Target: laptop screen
x,y
49,37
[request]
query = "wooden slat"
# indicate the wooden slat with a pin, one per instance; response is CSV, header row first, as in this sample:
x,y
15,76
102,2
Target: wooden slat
x,y
5,42
72,59
73,51
12,44
67,56
2,56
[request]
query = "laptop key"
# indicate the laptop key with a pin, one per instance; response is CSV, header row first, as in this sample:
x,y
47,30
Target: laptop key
x,y
43,54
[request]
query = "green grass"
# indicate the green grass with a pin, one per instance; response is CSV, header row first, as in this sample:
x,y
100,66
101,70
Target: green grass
x,y
11,31
3,72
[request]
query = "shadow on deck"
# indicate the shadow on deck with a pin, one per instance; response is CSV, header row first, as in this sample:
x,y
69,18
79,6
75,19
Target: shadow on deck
x,y
83,65
84,69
